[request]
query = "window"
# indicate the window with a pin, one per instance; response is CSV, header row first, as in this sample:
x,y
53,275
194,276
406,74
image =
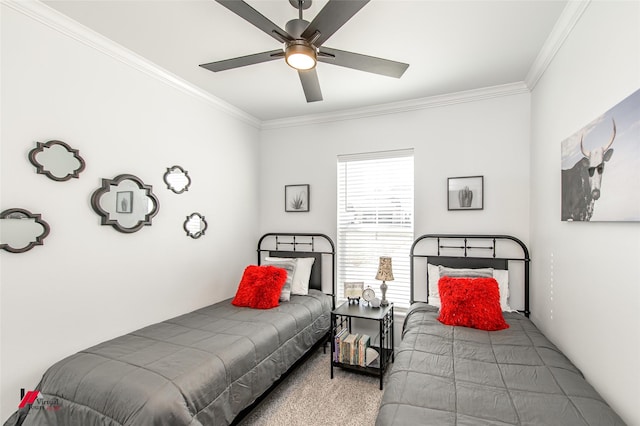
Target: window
x,y
375,218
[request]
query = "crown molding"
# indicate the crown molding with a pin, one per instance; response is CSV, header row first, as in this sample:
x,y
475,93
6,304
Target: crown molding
x,y
564,25
402,106
55,20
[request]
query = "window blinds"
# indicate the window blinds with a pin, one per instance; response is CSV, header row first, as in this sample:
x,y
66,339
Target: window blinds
x,y
375,218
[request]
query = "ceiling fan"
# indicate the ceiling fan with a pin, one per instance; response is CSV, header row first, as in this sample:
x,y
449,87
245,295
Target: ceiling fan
x,y
303,43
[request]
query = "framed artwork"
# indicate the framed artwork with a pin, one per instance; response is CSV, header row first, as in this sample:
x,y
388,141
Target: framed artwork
x,y
600,176
296,198
465,193
124,202
353,290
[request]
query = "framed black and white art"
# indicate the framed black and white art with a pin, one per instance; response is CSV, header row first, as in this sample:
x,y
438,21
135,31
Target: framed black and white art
x,y
296,198
601,167
465,193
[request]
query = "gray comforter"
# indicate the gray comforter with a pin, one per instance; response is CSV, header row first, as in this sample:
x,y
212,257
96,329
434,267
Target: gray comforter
x,y
201,368
446,375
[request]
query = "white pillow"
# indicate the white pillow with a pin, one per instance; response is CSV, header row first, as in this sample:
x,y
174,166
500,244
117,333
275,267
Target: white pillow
x,y
433,273
500,275
302,274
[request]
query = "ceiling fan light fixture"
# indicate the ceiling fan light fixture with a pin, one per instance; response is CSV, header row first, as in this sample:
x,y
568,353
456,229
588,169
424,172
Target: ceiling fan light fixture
x,y
300,55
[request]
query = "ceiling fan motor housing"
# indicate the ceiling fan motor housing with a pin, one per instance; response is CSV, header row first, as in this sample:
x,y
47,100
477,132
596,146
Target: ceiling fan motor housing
x,y
296,27
299,53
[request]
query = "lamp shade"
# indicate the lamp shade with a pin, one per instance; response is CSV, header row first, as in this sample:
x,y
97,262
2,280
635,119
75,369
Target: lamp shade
x,y
385,272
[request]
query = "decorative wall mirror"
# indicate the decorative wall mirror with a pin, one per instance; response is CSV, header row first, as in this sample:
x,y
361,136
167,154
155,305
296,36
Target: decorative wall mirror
x,y
21,230
195,225
125,203
177,179
56,160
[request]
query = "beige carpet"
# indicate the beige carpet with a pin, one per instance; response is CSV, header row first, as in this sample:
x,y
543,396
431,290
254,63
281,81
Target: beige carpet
x,y
309,397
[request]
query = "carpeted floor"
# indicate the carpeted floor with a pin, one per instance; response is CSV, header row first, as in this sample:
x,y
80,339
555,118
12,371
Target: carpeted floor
x,y
309,397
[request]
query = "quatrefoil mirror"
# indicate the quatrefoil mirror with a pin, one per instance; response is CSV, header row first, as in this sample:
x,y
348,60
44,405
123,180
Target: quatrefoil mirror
x,y
177,179
21,230
195,225
125,203
56,160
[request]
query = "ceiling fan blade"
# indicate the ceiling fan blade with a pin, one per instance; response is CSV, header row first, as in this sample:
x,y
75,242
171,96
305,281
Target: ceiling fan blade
x,y
243,61
251,15
310,85
362,62
332,16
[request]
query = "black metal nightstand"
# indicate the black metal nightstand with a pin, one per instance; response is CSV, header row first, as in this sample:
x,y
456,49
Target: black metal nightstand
x,y
341,320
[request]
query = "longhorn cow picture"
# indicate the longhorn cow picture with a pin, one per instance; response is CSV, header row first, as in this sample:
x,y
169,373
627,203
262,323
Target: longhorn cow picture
x,y
611,142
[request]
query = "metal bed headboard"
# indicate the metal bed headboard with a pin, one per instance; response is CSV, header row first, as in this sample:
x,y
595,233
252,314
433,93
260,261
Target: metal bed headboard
x,y
471,251
318,246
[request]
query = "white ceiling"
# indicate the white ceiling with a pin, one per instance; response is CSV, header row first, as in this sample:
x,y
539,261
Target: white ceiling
x,y
451,46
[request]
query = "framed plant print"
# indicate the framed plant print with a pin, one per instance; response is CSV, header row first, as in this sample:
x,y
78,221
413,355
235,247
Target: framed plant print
x,y
296,198
465,193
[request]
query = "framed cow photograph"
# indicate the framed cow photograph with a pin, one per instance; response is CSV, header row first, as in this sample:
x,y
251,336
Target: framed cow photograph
x,y
601,167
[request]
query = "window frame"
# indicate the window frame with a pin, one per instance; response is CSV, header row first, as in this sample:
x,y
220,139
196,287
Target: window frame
x,y
392,175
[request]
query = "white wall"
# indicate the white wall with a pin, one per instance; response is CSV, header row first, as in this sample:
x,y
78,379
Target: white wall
x,y
586,296
480,137
88,282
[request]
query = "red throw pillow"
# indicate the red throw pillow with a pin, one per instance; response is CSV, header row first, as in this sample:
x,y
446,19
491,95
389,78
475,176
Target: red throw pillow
x,y
260,287
471,302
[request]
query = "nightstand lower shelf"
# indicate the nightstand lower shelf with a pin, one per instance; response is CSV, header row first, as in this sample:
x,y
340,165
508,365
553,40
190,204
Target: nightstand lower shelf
x,y
372,369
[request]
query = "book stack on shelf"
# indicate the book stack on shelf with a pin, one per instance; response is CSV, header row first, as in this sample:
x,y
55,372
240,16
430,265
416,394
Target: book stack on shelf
x,y
353,348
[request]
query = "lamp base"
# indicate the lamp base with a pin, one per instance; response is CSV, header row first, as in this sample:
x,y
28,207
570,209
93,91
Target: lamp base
x,y
383,289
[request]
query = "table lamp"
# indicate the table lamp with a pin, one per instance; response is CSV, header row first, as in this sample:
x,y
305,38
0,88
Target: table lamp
x,y
385,273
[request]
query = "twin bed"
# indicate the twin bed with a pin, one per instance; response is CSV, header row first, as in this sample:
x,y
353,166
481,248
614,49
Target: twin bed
x,y
453,375
202,368
206,367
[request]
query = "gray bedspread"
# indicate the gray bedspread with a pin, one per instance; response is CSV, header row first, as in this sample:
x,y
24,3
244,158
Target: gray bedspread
x,y
446,375
201,368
